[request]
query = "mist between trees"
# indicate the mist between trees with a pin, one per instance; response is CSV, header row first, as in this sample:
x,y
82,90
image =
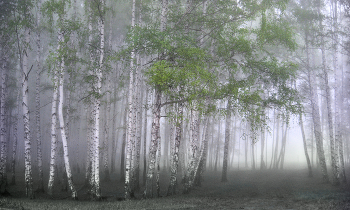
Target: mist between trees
x,y
101,90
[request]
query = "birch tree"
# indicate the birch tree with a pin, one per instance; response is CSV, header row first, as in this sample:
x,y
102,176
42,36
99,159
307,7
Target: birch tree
x,y
37,99
130,140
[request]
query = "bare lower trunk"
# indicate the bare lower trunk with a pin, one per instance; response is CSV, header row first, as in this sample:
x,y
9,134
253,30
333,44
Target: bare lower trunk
x,y
15,140
130,134
145,140
316,117
63,134
194,138
3,129
305,146
227,141
176,154
53,137
27,140
37,105
203,156
155,138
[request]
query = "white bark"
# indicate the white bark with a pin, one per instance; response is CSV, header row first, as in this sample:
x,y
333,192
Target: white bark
x,y
97,105
316,116
37,102
25,111
15,140
62,128
130,134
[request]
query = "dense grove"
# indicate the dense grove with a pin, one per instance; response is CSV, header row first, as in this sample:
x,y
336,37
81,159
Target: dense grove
x,y
98,89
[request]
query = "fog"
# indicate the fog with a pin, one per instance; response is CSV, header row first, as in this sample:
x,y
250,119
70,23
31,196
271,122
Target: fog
x,y
172,99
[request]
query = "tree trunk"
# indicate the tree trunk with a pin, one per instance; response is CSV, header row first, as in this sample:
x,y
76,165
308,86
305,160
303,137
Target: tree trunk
x,y
275,165
25,108
175,155
217,146
316,116
155,138
37,103
3,129
227,141
304,143
53,136
145,139
63,132
334,155
15,141
203,157
130,134
193,150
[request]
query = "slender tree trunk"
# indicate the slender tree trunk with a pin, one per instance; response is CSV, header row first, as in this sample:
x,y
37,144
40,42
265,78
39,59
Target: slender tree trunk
x,y
334,155
63,132
145,139
316,117
122,158
176,152
203,157
15,141
193,151
130,140
53,137
155,138
275,164
227,141
305,146
262,162
97,105
3,127
158,168
25,108
37,103
217,147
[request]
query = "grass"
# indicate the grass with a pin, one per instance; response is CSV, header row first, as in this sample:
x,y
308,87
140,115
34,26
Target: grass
x,y
244,190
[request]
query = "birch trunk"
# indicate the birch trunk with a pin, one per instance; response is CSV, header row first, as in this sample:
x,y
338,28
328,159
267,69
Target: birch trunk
x,y
97,105
305,146
155,138
334,155
262,162
275,165
193,151
145,139
217,146
203,156
158,168
53,137
316,116
37,103
227,141
63,132
25,110
175,155
15,141
155,131
130,134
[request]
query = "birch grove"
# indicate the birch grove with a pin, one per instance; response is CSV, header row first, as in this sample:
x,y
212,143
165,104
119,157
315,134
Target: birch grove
x,y
152,95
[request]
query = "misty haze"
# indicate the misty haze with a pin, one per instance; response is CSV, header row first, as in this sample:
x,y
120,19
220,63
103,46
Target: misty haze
x,y
174,104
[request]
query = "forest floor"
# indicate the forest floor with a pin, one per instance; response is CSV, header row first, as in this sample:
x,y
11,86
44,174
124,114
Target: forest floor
x,y
270,189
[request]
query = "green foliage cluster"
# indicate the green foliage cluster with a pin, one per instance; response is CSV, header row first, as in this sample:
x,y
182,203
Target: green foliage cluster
x,y
224,53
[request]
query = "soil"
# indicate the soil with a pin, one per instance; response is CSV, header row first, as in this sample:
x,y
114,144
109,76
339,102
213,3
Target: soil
x,y
245,189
